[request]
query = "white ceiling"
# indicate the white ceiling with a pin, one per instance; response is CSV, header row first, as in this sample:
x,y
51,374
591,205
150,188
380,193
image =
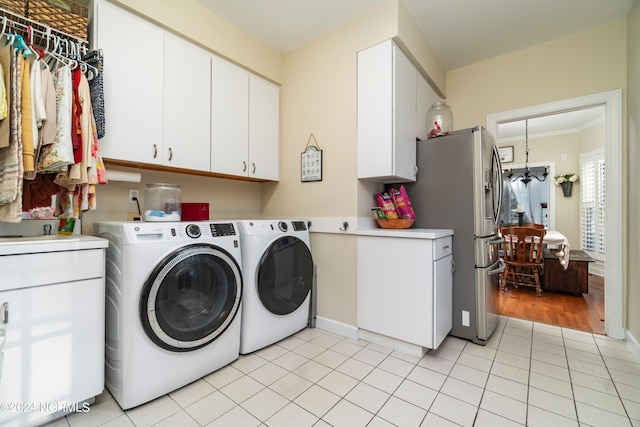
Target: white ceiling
x,y
461,32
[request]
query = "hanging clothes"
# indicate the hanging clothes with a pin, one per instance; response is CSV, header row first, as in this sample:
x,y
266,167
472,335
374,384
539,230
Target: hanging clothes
x,y
96,60
4,104
11,166
26,117
5,125
57,156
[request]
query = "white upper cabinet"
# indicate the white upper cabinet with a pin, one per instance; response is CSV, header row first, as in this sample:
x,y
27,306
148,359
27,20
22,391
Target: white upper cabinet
x,y
244,123
387,114
173,104
133,80
187,105
229,118
264,129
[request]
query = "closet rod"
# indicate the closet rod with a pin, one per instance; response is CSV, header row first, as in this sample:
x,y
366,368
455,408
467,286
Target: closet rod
x,y
39,31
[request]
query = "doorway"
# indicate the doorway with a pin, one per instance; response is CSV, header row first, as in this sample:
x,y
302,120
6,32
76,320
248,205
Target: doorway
x,y
612,103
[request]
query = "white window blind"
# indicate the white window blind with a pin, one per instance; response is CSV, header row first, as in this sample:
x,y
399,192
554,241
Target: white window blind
x,y
592,203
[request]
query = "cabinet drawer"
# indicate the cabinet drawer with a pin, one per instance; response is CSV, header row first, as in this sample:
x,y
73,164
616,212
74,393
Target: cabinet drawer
x,y
442,247
26,270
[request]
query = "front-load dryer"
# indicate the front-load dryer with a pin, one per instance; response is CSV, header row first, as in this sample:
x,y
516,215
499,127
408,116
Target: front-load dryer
x,y
278,272
173,305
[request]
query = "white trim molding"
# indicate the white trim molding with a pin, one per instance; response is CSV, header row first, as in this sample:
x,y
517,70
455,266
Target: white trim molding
x,y
612,101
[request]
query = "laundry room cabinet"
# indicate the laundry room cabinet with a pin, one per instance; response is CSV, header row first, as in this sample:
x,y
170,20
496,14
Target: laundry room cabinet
x,y
405,287
186,105
52,307
244,123
393,99
172,104
133,85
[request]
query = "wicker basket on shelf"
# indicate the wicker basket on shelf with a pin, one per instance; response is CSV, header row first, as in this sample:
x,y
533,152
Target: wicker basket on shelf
x,y
62,15
395,223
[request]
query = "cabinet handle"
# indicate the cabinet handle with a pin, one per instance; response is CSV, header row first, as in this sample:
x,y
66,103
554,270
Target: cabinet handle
x,y
244,166
170,154
453,266
5,312
415,170
445,247
254,168
155,151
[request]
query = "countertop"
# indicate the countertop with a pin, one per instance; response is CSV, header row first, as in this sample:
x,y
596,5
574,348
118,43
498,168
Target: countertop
x,y
409,233
50,243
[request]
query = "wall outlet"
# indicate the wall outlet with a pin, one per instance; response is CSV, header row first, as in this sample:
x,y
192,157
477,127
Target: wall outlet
x,y
465,318
133,195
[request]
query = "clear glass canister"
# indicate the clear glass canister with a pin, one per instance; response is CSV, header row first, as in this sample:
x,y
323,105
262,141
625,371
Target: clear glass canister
x,y
162,202
439,120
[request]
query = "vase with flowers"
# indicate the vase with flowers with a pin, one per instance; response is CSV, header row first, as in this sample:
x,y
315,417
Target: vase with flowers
x,y
566,182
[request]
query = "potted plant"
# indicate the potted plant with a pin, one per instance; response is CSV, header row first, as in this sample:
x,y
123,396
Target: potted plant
x,y
566,182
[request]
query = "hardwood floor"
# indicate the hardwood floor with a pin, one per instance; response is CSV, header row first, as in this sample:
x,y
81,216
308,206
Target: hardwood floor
x,y
584,312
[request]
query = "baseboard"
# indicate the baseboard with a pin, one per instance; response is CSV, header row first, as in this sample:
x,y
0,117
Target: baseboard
x,y
396,344
339,328
633,343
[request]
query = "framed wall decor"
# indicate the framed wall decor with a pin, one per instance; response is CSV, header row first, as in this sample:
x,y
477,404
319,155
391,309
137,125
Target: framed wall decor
x,y
311,162
506,154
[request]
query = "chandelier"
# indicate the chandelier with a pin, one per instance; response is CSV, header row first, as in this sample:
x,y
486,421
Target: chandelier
x,y
527,176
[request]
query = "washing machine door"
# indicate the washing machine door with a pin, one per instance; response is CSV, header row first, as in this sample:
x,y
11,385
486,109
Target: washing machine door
x,y
191,297
285,275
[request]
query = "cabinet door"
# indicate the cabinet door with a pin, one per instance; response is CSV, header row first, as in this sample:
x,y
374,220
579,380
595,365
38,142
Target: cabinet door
x,y
187,105
54,350
404,117
229,118
442,299
133,77
264,129
386,115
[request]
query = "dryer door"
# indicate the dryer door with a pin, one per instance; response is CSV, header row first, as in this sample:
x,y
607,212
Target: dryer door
x,y
191,297
285,275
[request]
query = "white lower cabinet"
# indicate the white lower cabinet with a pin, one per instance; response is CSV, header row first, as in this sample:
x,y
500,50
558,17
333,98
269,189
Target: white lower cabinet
x,y
52,319
405,287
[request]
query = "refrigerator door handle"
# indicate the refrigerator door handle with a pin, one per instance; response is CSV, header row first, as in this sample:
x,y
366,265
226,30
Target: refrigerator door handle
x,y
498,170
495,241
500,269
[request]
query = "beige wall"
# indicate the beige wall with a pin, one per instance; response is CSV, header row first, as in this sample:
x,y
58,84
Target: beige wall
x,y
581,64
632,162
227,198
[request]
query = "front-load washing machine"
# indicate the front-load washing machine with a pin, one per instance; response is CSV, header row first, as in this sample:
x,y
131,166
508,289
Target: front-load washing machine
x,y
278,272
173,305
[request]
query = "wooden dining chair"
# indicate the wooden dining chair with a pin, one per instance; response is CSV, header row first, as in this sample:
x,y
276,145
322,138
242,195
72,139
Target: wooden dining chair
x,y
522,255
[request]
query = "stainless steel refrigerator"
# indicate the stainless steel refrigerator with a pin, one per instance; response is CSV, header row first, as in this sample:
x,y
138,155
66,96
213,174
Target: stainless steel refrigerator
x,y
459,186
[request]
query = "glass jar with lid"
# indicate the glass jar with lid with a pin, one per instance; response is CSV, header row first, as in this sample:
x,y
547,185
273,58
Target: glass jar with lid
x,y
439,120
162,202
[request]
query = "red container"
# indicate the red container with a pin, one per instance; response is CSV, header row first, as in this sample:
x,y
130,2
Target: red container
x,y
195,212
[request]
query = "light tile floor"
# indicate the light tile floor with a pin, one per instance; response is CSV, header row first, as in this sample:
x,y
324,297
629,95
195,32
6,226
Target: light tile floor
x,y
528,374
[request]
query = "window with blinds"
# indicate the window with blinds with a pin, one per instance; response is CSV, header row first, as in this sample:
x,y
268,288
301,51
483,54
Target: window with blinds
x,y
592,203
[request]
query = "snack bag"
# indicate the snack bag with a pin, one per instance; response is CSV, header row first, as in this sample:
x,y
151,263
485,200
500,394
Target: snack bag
x,y
402,202
385,202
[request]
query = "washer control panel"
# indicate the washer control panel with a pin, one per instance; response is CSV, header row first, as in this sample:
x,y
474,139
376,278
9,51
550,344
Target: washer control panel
x,y
193,231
